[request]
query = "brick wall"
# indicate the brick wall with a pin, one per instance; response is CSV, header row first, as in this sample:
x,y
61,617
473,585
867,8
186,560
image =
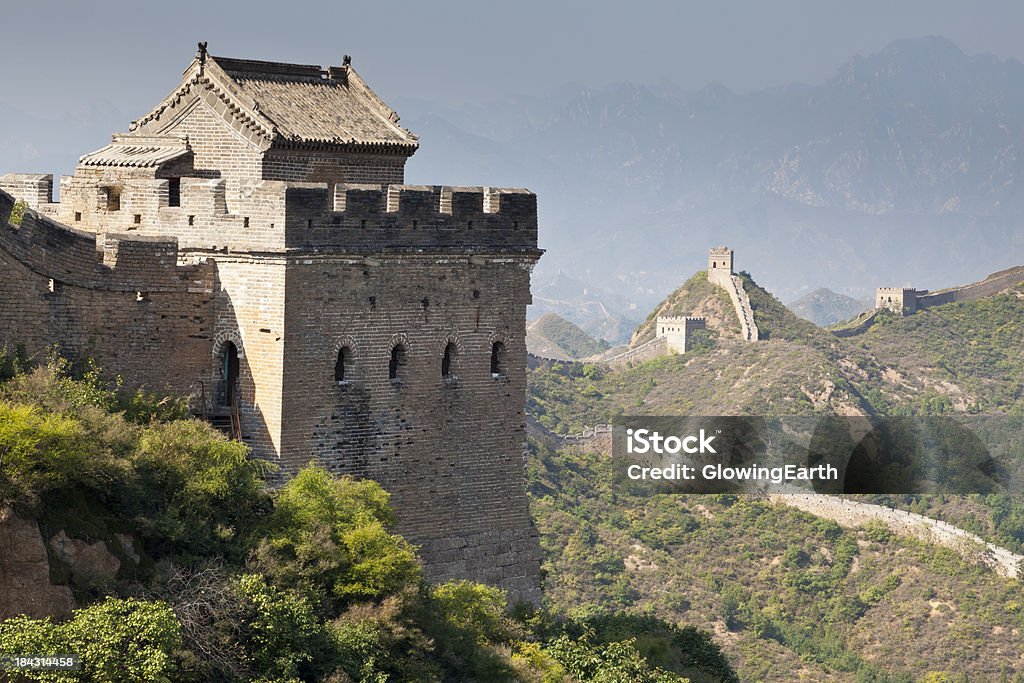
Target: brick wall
x,y
450,450
993,284
333,167
125,304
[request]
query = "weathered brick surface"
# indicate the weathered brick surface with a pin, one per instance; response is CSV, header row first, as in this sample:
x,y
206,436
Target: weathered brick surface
x,y
292,252
449,449
126,304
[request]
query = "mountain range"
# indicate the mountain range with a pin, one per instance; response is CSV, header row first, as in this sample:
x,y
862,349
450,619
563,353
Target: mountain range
x,y
902,169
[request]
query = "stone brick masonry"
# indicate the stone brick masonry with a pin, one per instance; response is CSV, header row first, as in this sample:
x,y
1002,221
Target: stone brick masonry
x,y
379,328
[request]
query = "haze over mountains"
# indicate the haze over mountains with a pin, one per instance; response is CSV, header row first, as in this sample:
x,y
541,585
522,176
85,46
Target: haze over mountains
x,y
902,169
825,307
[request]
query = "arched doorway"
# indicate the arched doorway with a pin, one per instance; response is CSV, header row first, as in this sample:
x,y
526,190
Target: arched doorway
x,y
229,373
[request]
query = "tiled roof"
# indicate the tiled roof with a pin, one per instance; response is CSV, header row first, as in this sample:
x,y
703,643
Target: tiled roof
x,y
139,151
291,104
307,104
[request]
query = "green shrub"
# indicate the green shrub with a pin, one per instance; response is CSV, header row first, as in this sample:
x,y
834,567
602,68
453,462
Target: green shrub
x,y
328,538
41,452
284,637
119,641
18,212
195,492
616,662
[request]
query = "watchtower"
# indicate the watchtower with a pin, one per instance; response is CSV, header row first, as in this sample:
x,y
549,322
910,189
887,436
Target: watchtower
x,y
899,300
334,313
720,260
678,331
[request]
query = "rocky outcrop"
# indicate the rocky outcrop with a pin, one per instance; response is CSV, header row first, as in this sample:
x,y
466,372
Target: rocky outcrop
x,y
25,586
91,563
27,563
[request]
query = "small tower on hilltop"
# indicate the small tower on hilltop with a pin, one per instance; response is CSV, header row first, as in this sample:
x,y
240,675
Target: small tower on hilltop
x,y
899,300
720,273
677,331
719,262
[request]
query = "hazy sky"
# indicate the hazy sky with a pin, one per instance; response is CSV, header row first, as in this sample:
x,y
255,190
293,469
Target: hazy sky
x,y
129,53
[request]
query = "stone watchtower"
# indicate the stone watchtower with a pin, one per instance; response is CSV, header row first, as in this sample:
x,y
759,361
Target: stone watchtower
x,y
899,300
678,331
719,261
258,250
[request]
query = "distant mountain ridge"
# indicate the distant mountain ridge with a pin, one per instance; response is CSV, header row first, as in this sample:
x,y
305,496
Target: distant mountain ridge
x,y
552,336
824,307
904,168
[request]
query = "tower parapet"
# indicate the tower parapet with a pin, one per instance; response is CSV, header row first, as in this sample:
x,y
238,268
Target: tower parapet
x,y
279,216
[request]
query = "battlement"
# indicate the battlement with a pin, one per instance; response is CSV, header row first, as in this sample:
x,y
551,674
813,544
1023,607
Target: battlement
x,y
33,188
277,216
679,319
410,216
95,261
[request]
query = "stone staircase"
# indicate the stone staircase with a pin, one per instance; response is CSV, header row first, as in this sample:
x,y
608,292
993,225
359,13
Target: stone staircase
x,y
733,285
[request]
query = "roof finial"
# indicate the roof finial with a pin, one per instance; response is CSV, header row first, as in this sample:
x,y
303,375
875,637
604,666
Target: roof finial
x,y
201,55
346,61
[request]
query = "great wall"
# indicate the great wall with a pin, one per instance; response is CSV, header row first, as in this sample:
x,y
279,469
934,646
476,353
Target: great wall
x,y
846,512
251,244
851,513
673,334
907,300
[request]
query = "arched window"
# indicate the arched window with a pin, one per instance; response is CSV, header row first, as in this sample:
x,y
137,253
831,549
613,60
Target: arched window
x,y
497,359
229,373
396,363
343,365
447,360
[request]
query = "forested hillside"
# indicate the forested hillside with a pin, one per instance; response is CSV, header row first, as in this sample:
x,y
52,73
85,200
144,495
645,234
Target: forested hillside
x,y
789,595
168,557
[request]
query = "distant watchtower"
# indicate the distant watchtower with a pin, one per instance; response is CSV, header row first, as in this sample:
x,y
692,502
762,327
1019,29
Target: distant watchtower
x,y
899,300
719,261
678,331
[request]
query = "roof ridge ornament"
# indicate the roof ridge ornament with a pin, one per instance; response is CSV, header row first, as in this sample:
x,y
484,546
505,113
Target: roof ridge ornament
x,y
201,56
